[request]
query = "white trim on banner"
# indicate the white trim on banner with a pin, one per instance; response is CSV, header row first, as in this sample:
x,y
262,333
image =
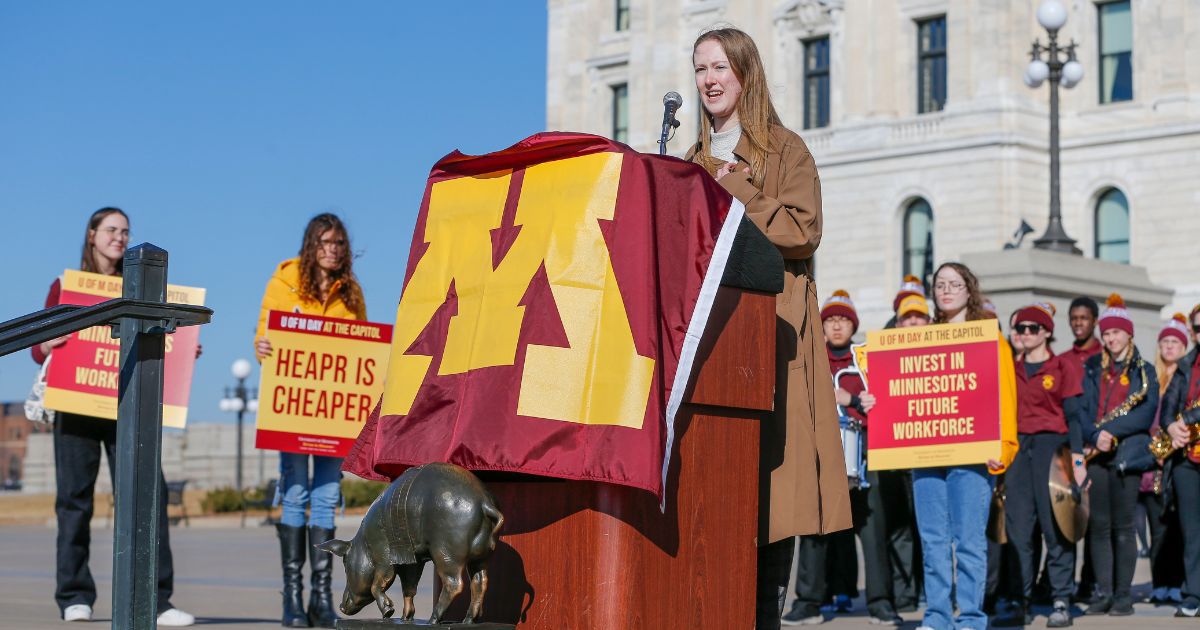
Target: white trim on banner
x,y
696,326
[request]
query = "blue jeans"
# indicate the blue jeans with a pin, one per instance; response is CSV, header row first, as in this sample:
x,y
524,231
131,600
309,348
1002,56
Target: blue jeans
x,y
323,491
952,511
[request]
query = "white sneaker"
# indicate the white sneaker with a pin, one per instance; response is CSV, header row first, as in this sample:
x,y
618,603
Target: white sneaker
x,y
175,618
78,612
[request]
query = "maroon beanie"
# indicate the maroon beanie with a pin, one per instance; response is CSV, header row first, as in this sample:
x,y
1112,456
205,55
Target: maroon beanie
x,y
839,304
1039,313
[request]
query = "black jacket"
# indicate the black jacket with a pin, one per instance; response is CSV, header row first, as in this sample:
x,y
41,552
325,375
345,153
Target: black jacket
x,y
1138,420
1175,399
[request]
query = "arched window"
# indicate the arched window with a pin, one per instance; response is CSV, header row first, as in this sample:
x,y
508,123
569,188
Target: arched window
x,y
918,238
1112,227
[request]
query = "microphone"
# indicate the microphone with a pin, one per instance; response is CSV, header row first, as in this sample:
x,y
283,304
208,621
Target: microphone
x,y
672,101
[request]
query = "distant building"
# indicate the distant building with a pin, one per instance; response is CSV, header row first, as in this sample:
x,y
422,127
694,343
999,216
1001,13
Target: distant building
x,y
14,438
920,124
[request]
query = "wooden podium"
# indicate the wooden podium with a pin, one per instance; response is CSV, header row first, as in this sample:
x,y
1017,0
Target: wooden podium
x,y
583,555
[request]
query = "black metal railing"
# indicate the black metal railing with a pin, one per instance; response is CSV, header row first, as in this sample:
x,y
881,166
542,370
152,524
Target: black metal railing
x,y
140,319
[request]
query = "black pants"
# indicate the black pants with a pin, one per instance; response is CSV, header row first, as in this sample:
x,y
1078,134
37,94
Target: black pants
x,y
1110,529
1187,494
1027,509
774,566
1166,542
77,444
870,525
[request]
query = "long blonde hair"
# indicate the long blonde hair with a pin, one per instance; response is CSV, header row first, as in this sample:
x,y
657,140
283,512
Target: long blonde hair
x,y
755,111
1165,371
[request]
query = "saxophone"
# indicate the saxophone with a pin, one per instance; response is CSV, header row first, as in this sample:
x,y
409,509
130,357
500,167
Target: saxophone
x,y
1124,408
1161,446
1130,402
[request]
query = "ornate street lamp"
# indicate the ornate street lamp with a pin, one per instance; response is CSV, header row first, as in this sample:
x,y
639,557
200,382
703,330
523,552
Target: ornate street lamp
x,y
241,401
1058,67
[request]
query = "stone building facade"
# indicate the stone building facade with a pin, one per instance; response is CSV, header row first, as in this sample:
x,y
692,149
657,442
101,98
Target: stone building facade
x,y
976,158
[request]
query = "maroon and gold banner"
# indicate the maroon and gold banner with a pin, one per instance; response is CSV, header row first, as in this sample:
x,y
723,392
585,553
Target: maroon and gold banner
x,y
941,395
84,372
320,383
555,295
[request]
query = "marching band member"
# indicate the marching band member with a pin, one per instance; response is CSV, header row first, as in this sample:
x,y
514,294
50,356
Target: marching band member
x,y
952,501
1049,391
839,319
1083,314
743,144
1180,418
1166,563
1120,402
904,545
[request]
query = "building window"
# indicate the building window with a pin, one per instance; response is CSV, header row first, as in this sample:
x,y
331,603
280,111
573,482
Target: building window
x,y
918,239
1116,52
1112,227
931,65
620,112
816,83
622,15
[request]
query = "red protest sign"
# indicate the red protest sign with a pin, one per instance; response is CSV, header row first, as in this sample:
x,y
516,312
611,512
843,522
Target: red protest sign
x,y
84,372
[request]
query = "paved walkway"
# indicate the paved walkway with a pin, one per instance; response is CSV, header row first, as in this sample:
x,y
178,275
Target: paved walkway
x,y
229,577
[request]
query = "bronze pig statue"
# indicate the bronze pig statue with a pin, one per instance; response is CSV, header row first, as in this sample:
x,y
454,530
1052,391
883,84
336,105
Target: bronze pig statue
x,y
437,512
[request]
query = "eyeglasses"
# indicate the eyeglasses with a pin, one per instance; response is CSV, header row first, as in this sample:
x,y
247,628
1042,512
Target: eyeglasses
x,y
1196,328
1028,329
115,231
333,244
949,287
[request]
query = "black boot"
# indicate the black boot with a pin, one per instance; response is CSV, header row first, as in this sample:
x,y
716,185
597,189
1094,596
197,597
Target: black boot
x,y
320,599
291,552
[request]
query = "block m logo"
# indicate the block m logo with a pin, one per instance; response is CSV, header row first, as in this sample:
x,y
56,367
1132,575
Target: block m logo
x,y
599,378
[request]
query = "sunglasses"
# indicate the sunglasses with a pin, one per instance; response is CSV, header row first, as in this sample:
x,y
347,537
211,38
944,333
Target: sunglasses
x,y
1196,328
1028,329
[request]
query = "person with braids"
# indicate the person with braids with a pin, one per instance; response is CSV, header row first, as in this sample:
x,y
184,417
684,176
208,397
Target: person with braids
x,y
1180,418
765,166
1120,396
952,502
320,281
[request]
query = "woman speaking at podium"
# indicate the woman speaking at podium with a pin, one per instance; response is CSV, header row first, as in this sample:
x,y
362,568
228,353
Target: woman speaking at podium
x,y
743,144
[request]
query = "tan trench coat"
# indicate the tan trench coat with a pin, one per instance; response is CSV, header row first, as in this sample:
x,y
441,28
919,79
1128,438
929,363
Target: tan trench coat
x,y
801,467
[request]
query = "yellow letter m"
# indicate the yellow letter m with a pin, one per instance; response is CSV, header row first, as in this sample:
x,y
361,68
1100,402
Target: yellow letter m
x,y
599,378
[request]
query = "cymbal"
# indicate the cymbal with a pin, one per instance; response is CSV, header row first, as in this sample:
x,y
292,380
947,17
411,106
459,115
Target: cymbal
x,y
1068,502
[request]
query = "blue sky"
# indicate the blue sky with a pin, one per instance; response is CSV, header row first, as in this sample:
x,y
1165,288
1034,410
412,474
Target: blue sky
x,y
222,127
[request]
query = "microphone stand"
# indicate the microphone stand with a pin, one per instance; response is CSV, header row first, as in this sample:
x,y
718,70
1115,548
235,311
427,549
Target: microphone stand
x,y
669,123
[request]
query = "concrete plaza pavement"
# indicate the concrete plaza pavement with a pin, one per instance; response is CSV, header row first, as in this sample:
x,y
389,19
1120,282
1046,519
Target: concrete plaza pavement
x,y
229,577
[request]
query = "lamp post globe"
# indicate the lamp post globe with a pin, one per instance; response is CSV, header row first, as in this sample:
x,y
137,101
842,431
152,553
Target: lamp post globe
x,y
1052,14
1037,71
241,369
1072,73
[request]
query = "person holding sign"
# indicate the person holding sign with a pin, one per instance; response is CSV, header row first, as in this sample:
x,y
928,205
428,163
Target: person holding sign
x,y
1121,399
320,281
78,440
768,168
839,319
1180,418
952,501
1049,416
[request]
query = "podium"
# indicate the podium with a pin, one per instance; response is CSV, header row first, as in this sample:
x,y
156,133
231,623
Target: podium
x,y
587,555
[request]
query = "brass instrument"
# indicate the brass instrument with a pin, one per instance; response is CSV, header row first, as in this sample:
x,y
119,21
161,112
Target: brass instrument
x,y
1161,446
1130,402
